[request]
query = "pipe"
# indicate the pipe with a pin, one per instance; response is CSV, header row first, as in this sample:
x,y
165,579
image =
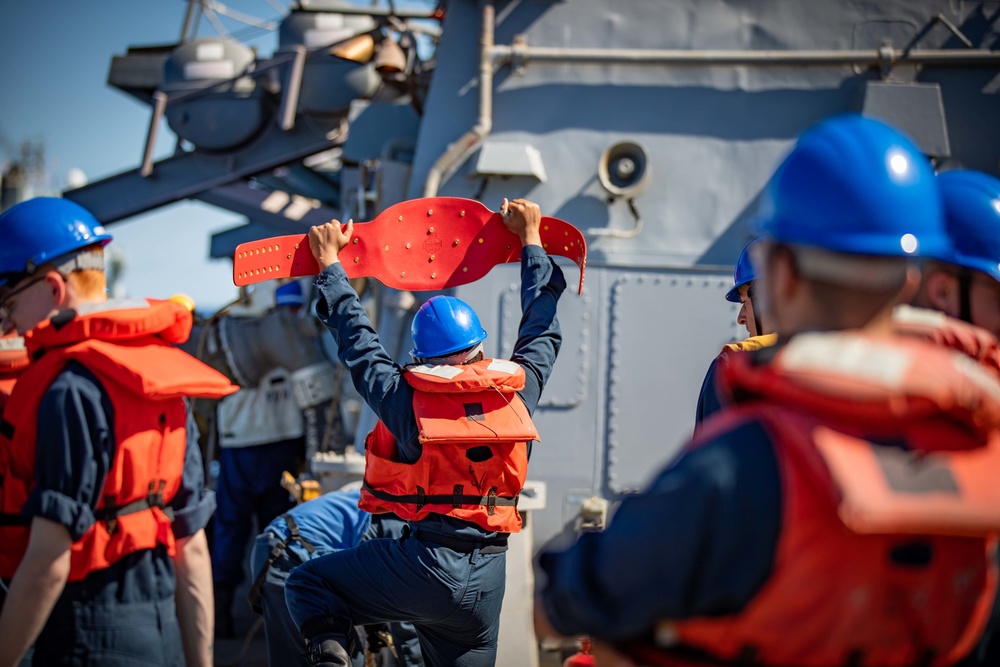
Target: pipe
x,y
159,108
457,152
401,13
291,89
519,54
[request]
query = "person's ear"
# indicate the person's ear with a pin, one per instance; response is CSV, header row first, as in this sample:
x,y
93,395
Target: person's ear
x,y
60,290
942,290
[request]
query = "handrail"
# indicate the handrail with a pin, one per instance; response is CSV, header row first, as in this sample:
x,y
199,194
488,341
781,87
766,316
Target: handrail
x,y
519,53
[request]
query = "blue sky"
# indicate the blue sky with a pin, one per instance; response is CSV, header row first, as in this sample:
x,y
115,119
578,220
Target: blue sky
x,y
55,59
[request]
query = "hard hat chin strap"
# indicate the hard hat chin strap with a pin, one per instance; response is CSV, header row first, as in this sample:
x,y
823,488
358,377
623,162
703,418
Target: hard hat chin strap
x,y
964,295
754,304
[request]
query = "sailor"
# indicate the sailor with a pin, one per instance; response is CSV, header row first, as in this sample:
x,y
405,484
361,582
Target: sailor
x,y
963,284
958,304
261,434
840,511
311,530
103,502
449,455
751,316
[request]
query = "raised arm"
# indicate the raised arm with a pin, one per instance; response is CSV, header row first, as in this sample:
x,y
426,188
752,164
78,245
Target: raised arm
x,y
376,376
542,282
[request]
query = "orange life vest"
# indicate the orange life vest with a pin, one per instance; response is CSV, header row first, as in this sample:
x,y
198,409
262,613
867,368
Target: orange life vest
x,y
886,556
973,341
474,429
132,353
13,360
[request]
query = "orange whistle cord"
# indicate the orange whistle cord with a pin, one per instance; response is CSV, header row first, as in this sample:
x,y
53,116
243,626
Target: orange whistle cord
x,y
421,244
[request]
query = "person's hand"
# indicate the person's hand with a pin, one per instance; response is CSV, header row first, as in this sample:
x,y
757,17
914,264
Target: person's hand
x,y
327,240
523,218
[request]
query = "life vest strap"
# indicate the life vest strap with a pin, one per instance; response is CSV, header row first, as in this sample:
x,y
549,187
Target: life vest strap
x,y
457,499
154,498
255,595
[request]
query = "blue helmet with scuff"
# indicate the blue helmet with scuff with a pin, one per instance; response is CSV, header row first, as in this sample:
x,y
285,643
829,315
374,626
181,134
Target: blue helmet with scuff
x,y
972,217
743,274
855,185
445,325
44,229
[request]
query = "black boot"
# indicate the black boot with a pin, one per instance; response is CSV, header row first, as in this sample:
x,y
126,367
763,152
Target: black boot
x,y
329,651
224,611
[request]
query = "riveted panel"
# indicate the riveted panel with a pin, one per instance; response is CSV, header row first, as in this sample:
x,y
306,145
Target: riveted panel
x,y
664,331
570,379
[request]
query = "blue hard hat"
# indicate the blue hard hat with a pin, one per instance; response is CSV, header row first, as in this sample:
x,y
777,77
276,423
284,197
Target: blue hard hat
x,y
43,229
972,217
289,294
743,274
445,325
856,185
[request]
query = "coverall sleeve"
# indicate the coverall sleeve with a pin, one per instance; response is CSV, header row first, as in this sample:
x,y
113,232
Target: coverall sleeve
x,y
708,399
538,336
193,504
74,452
375,375
699,541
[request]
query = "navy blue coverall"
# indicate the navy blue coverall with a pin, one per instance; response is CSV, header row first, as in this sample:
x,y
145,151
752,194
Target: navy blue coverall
x,y
329,523
448,578
123,615
689,545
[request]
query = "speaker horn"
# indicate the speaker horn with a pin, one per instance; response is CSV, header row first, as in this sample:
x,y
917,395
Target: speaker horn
x,y
624,169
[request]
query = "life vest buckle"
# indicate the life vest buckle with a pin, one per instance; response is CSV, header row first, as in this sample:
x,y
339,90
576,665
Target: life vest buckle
x,y
491,501
457,497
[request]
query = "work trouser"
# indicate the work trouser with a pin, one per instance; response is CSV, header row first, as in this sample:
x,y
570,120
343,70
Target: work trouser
x,y
124,634
451,597
285,645
248,485
121,616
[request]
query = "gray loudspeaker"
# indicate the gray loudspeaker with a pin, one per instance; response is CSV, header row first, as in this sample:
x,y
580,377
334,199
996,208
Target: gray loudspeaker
x,y
624,169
